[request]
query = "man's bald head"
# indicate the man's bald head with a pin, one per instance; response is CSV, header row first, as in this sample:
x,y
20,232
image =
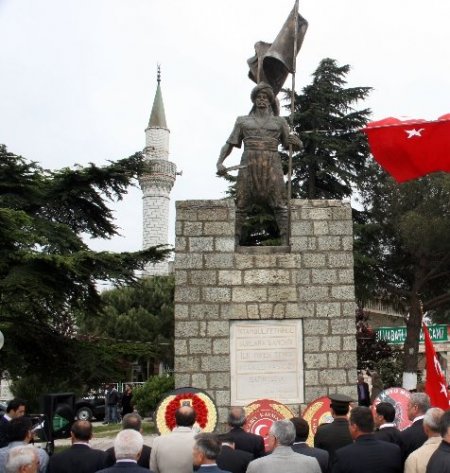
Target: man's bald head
x,y
185,416
236,417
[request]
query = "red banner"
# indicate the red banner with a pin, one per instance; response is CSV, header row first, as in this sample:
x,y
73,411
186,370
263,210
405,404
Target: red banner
x,y
412,148
435,385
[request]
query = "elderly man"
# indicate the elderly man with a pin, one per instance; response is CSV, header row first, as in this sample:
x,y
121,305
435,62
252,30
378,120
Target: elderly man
x,y
366,454
414,436
23,459
260,179
127,447
205,452
21,434
243,440
173,452
80,457
283,458
418,460
131,421
15,408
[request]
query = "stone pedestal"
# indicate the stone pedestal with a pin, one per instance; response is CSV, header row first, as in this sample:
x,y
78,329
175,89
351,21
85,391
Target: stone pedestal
x,y
239,301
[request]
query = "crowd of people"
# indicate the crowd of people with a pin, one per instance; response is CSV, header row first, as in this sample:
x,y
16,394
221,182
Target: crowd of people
x,y
361,439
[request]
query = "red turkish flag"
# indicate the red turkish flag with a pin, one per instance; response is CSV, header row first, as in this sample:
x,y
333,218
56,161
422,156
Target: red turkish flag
x,y
435,385
412,148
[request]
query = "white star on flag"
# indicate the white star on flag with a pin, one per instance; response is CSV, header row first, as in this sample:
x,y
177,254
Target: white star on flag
x,y
443,389
414,132
437,365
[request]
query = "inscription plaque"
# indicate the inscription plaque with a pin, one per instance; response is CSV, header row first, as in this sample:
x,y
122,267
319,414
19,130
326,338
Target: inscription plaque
x,y
266,361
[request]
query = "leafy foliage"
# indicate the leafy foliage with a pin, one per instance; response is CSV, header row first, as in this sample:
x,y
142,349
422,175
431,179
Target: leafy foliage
x,y
48,274
409,248
376,355
147,397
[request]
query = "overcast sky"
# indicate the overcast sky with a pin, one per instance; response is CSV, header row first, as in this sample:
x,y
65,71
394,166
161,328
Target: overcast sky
x,y
78,77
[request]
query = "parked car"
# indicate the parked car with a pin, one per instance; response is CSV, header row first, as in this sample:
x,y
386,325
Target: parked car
x,y
90,407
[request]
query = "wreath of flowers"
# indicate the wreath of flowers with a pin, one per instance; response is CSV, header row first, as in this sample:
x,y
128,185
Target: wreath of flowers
x,y
206,413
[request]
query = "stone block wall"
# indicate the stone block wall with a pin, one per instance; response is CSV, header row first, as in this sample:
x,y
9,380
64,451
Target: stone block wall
x,y
217,282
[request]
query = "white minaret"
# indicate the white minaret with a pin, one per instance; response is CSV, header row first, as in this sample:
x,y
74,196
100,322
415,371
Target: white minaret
x,y
157,182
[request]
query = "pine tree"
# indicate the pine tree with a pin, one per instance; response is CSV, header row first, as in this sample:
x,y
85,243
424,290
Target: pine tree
x,y
333,161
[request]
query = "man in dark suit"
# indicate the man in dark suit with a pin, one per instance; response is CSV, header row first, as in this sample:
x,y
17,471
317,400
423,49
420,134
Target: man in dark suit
x,y
366,454
300,445
332,436
15,408
243,440
232,459
205,452
127,447
384,417
414,436
131,421
80,457
363,392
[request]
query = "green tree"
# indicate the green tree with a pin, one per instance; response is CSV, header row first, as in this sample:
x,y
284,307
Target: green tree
x,y
140,318
48,274
333,162
409,262
147,397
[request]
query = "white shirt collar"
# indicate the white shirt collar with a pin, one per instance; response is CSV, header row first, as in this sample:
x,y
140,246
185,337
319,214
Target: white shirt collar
x,y
387,424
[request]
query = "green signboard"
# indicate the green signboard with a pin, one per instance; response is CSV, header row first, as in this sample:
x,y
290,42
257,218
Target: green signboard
x,y
397,335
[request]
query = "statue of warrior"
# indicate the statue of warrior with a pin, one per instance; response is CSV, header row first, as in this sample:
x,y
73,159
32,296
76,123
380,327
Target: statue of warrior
x,y
260,179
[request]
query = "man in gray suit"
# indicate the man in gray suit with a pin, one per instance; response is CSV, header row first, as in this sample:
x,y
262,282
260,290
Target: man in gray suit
x,y
283,458
173,452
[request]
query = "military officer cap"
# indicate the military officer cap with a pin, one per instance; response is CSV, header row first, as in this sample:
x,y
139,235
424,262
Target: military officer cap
x,y
340,400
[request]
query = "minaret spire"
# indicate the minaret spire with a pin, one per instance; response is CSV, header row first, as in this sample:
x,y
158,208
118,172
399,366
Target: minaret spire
x,y
157,182
158,115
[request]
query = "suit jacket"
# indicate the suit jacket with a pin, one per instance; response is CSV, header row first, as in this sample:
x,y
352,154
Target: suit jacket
x,y
332,436
390,434
439,461
365,389
144,459
413,437
4,425
320,455
418,460
247,441
172,453
233,460
79,458
284,459
124,467
368,455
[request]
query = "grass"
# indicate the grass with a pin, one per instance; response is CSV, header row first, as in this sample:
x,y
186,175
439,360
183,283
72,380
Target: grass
x,y
111,430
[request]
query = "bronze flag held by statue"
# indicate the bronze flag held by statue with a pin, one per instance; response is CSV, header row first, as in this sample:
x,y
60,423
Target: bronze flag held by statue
x,y
273,62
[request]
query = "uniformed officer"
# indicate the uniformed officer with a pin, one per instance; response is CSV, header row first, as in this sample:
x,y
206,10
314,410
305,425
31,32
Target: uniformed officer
x,y
335,435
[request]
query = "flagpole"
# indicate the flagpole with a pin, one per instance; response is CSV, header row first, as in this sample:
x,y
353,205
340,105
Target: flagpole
x,y
289,190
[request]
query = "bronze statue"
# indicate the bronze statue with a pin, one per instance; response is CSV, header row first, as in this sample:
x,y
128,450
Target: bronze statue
x,y
260,179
